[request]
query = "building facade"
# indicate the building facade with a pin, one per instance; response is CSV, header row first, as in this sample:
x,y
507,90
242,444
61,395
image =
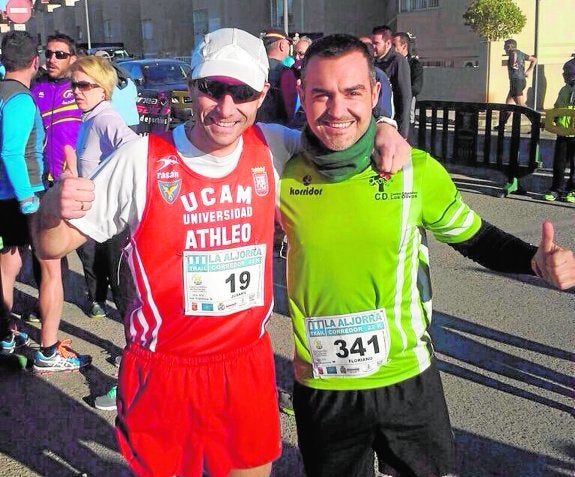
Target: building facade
x,y
153,28
459,65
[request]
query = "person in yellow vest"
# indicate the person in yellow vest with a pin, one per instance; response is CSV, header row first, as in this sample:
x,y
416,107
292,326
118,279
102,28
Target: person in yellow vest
x,y
565,145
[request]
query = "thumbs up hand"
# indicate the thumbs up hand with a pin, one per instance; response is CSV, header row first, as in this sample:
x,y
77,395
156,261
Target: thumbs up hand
x,y
555,264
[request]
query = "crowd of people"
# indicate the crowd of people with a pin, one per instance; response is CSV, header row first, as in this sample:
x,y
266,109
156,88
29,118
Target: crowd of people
x,y
67,138
196,388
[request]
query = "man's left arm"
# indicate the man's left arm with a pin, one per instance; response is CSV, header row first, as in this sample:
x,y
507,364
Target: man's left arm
x,y
500,251
454,223
554,264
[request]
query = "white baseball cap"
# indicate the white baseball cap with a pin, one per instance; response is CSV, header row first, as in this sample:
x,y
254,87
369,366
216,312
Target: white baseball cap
x,y
233,53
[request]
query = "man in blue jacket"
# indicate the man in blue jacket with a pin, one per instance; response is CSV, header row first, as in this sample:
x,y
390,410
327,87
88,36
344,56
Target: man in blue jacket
x,y
21,168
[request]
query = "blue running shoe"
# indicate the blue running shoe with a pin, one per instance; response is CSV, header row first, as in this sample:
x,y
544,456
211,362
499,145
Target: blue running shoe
x,y
64,358
17,339
8,345
22,338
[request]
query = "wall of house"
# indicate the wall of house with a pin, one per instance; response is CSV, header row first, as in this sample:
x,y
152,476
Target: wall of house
x,y
443,38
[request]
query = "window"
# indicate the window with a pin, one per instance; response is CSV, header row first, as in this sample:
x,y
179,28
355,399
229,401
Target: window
x,y
107,29
430,63
201,24
147,29
278,14
411,5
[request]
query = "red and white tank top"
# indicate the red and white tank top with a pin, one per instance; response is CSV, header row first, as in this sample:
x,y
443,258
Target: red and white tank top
x,y
202,254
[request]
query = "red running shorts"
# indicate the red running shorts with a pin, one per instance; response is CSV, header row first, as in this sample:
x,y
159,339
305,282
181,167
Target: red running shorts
x,y
181,416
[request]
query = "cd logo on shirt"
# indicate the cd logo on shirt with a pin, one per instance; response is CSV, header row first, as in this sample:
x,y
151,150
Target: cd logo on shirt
x,y
260,178
379,182
170,190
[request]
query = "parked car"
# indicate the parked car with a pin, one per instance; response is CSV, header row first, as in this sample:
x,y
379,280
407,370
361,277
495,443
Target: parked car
x,y
115,50
162,90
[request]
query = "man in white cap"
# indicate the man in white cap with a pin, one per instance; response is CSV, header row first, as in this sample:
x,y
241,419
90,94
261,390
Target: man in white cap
x,y
196,388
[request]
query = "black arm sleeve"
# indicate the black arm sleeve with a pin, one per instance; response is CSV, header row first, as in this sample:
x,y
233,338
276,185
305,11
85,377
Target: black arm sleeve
x,y
497,250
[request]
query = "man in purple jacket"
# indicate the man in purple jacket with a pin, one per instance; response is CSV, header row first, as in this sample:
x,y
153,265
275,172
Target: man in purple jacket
x,y
60,114
61,118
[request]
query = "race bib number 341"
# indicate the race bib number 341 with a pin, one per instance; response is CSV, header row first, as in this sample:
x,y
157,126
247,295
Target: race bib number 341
x,y
225,281
348,345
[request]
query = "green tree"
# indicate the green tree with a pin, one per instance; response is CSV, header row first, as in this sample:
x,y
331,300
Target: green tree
x,y
495,19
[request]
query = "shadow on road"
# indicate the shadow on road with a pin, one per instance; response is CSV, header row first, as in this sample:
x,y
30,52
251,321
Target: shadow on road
x,y
481,457
453,337
52,434
45,431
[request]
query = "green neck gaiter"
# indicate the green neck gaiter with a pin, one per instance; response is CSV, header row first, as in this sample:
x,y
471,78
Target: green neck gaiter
x,y
339,165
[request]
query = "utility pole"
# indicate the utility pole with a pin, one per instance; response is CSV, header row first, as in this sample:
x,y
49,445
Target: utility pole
x,y
286,18
88,37
536,53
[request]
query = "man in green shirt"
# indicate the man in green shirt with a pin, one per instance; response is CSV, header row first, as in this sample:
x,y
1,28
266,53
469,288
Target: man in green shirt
x,y
358,278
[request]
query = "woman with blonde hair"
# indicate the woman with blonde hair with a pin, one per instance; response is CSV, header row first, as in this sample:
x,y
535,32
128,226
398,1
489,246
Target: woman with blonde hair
x,y
103,130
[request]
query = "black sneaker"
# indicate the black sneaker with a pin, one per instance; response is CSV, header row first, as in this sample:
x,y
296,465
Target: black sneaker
x,y
285,402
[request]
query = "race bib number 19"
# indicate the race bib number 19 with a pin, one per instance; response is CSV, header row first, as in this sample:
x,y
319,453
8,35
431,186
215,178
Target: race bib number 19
x,y
350,345
224,281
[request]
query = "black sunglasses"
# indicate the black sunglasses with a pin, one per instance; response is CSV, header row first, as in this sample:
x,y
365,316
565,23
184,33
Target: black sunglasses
x,y
60,55
240,93
83,85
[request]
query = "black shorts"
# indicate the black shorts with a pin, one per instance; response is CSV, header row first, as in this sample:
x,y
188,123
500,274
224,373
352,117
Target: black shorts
x,y
516,86
13,225
406,424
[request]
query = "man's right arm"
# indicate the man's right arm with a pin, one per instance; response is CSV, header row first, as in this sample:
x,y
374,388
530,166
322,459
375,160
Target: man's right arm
x,y
53,236
71,212
392,151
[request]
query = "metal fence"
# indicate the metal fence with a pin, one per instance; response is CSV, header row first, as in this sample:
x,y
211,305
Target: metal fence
x,y
478,135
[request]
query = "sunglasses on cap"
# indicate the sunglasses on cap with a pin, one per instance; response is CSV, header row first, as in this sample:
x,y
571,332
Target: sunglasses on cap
x,y
240,93
60,55
83,85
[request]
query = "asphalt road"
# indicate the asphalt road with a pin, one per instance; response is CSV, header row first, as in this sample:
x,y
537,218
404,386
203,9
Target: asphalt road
x,y
505,346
